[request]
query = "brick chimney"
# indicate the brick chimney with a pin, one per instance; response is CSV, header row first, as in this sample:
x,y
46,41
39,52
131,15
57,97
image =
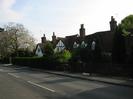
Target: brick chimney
x,y
113,24
53,38
82,31
43,39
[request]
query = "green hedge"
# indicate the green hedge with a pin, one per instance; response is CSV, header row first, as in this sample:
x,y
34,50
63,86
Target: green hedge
x,y
36,62
57,61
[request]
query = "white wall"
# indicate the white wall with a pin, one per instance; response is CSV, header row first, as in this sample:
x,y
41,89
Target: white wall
x,y
38,51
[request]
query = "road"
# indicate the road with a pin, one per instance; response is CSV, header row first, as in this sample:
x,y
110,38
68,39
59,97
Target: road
x,y
25,83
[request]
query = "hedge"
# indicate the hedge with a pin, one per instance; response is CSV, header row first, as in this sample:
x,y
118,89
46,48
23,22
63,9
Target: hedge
x,y
36,62
52,63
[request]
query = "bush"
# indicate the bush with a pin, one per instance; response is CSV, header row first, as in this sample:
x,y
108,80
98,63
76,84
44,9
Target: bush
x,y
52,62
5,60
63,57
36,62
48,48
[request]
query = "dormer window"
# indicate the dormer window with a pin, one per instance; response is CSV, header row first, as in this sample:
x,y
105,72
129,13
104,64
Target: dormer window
x,y
83,44
75,45
93,45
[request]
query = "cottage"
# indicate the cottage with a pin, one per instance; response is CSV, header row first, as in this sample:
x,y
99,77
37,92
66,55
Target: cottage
x,y
103,39
39,51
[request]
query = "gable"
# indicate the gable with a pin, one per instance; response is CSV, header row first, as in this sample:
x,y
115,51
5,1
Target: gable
x,y
60,44
39,51
59,47
75,45
83,44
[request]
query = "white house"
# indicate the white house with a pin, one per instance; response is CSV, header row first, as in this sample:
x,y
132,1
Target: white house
x,y
39,50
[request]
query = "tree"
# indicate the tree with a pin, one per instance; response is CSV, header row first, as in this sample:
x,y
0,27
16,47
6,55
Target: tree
x,y
119,51
4,44
48,49
84,54
64,56
127,22
16,37
122,31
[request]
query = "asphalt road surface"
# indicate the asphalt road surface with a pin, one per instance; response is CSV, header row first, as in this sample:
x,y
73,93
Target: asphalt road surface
x,y
25,83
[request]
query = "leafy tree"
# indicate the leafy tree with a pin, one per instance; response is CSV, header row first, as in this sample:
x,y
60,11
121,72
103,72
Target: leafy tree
x,y
66,55
15,37
122,31
127,22
75,55
84,54
119,52
48,49
4,44
23,53
63,57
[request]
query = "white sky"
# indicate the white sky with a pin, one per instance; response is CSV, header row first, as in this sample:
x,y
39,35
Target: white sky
x,y
63,16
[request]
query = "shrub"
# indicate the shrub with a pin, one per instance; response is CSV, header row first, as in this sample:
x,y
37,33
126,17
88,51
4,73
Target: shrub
x,y
36,62
48,48
63,57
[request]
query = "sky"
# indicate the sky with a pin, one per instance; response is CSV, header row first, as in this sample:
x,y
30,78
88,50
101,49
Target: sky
x,y
63,16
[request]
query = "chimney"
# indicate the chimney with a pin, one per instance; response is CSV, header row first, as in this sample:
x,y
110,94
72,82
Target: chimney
x,y
53,38
113,24
82,31
43,39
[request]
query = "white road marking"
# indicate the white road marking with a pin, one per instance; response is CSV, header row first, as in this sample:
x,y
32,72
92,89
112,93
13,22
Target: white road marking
x,y
21,67
13,75
7,64
41,86
1,70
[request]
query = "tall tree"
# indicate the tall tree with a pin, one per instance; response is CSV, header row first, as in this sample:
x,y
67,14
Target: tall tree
x,y
127,22
119,51
4,44
48,48
122,31
16,37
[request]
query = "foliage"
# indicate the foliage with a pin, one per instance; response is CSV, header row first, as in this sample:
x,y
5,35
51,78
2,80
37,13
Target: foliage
x,y
122,31
63,56
15,37
119,51
47,62
48,48
36,62
84,54
4,44
75,55
23,53
127,22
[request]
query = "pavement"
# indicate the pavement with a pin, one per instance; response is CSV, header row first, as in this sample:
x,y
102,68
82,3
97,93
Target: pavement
x,y
121,81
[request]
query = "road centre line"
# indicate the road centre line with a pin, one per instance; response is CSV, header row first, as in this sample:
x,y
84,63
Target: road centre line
x,y
21,67
41,86
1,70
13,75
